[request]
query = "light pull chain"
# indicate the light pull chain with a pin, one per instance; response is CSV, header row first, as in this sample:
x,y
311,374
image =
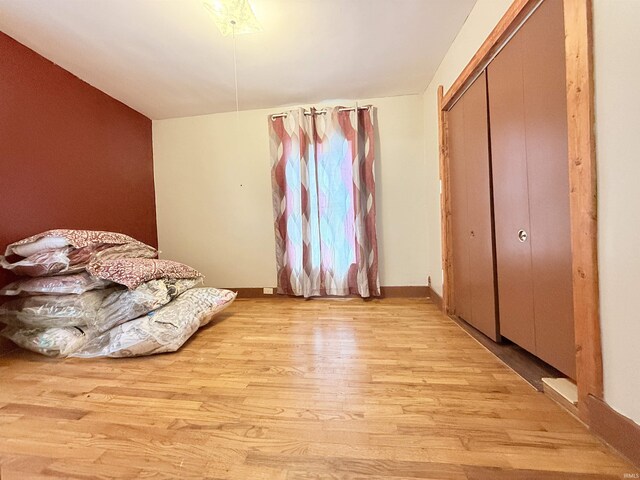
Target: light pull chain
x,y
235,64
235,79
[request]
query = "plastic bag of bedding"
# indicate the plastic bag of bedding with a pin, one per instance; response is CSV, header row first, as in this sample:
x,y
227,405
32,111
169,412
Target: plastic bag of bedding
x,y
41,311
76,284
164,330
99,309
124,305
64,251
53,342
119,306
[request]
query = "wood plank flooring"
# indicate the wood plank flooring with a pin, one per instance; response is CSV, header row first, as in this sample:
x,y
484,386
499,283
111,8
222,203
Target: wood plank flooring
x,y
289,389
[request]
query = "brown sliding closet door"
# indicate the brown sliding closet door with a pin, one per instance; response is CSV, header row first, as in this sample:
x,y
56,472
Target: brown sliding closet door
x,y
511,195
459,224
528,117
470,178
547,154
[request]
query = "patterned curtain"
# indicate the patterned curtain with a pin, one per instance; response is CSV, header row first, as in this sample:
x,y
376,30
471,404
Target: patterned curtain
x,y
324,202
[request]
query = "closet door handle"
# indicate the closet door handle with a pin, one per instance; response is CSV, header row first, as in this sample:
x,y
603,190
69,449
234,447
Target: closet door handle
x,y
522,236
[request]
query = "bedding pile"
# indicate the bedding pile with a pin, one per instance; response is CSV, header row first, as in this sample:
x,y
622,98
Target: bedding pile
x,y
101,294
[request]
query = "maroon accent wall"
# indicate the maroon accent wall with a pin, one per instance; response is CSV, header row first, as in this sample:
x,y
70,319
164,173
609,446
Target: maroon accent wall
x,y
70,155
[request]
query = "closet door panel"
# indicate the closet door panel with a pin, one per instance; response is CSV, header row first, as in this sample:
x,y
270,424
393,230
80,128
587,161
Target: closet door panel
x,y
548,181
479,214
459,223
511,195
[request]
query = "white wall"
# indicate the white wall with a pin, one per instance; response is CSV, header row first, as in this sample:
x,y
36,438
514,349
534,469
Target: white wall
x,y
616,70
482,19
213,194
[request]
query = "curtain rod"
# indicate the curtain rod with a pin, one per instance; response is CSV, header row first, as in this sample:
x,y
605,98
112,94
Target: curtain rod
x,y
320,112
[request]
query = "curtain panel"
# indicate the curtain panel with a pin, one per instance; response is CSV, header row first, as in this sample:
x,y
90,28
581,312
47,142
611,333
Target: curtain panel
x,y
324,202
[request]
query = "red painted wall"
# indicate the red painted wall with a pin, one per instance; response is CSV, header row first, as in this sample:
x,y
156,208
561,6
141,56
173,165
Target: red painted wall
x,y
70,155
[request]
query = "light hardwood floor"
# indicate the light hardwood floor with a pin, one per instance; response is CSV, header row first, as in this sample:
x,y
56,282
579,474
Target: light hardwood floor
x,y
293,389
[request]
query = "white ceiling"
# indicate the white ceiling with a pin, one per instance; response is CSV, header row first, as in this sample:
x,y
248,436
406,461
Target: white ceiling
x,y
166,58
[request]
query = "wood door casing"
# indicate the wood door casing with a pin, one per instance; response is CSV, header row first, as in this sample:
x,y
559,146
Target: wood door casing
x,y
545,103
511,195
471,215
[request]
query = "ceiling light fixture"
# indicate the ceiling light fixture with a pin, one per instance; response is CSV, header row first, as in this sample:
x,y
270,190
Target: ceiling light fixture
x,y
233,17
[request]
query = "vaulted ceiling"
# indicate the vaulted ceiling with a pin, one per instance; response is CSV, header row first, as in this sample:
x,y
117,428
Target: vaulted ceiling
x,y
166,58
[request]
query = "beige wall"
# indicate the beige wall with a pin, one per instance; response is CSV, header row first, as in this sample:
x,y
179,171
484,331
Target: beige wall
x,y
617,69
213,194
482,19
617,65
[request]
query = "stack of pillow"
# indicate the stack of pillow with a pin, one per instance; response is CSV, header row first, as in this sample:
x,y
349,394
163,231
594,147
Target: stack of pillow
x,y
91,294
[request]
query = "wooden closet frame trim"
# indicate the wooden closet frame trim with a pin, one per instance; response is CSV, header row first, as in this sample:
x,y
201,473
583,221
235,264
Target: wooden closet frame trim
x,y
582,177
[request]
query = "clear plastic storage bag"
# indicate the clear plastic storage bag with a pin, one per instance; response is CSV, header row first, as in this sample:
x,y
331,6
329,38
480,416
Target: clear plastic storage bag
x,y
164,330
42,311
40,264
99,309
53,342
64,251
77,323
76,284
124,305
67,260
